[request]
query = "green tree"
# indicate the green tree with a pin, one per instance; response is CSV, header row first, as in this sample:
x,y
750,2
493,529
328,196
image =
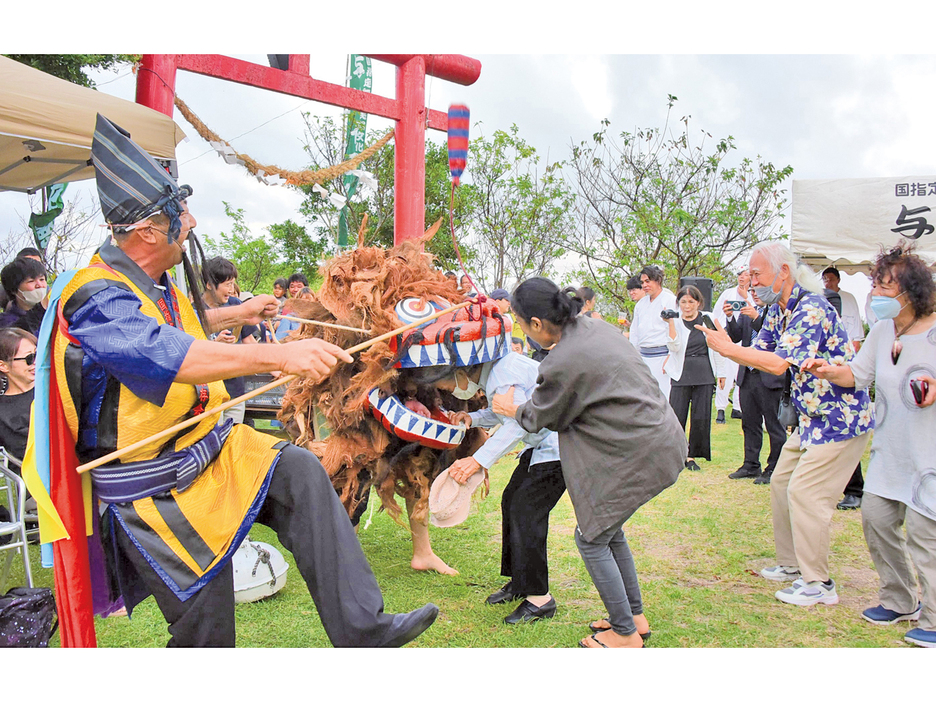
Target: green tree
x,y
70,66
300,251
323,145
256,258
516,215
652,196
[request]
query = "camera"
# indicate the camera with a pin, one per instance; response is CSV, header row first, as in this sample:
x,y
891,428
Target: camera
x,y
669,314
737,305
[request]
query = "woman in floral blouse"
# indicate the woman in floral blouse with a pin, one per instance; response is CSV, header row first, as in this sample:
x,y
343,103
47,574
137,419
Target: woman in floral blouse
x,y
900,490
833,427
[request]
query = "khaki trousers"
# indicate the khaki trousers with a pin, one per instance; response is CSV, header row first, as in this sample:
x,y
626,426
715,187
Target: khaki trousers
x,y
883,521
805,487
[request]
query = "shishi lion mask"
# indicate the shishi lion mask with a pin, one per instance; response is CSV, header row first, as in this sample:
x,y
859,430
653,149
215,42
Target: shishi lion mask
x,y
467,337
387,425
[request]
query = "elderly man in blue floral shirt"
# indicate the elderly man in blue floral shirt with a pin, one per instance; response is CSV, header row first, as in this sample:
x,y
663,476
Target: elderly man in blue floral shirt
x,y
834,423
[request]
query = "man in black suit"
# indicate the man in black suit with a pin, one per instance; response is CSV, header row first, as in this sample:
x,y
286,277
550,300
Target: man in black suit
x,y
760,397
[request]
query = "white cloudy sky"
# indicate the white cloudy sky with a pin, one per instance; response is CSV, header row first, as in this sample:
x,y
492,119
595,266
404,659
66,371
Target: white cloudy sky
x,y
829,116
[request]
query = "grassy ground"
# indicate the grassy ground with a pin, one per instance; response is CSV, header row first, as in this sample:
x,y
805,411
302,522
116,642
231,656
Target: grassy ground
x,y
697,546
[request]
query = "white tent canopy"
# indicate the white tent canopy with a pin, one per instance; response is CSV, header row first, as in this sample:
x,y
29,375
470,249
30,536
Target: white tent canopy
x,y
47,124
846,222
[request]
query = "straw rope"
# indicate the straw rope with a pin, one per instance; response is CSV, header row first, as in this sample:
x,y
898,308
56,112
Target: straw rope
x,y
292,177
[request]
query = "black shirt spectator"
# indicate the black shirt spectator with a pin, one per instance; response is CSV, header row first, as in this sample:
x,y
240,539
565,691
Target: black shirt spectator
x,y
14,424
17,380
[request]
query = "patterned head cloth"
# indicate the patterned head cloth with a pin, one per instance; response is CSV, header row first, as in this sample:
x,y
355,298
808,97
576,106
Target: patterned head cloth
x,y
131,185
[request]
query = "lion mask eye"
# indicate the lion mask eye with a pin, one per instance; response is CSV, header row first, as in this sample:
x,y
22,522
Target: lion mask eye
x,y
413,309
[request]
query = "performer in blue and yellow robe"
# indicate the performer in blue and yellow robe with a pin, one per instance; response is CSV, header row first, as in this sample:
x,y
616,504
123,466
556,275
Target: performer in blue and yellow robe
x,y
174,511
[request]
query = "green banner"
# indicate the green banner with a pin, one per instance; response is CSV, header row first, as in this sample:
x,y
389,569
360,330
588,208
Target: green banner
x,y
360,77
41,223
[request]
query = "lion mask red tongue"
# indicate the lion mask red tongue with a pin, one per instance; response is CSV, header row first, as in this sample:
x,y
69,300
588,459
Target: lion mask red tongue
x,y
469,336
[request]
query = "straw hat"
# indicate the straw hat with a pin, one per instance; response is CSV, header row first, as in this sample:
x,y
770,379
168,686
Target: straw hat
x,y
449,501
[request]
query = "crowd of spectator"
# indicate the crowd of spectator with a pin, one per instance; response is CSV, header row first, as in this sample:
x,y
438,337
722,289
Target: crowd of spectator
x,y
792,350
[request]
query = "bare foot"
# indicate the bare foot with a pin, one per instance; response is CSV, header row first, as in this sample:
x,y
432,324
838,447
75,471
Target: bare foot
x,y
431,561
423,557
640,621
610,639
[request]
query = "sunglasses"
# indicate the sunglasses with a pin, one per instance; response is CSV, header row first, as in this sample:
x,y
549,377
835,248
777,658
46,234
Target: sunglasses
x,y
30,358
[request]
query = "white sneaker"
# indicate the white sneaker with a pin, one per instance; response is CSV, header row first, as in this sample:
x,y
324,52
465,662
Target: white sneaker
x,y
780,573
805,594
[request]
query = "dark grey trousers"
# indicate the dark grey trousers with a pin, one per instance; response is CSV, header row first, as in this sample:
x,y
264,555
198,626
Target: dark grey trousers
x,y
610,564
310,521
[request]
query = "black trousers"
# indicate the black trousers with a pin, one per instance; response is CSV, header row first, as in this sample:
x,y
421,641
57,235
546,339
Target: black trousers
x,y
525,506
764,403
855,483
698,398
310,521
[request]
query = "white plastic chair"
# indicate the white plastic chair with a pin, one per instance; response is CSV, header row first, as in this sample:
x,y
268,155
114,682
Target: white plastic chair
x,y
15,490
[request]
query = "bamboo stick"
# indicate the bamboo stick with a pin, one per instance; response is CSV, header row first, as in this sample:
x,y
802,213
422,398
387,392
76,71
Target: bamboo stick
x,y
191,421
323,324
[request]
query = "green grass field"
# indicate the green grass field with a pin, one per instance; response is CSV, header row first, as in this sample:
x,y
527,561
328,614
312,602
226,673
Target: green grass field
x,y
698,546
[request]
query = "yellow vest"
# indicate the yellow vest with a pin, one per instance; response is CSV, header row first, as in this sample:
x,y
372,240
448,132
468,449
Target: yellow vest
x,y
197,530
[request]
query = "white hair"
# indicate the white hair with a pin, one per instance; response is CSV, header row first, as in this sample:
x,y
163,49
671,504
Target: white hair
x,y
776,254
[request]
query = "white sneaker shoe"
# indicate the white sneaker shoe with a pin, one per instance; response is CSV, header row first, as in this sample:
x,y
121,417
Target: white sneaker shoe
x,y
780,573
806,594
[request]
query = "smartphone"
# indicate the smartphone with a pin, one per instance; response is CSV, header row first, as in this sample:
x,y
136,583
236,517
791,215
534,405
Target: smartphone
x,y
919,388
708,322
737,305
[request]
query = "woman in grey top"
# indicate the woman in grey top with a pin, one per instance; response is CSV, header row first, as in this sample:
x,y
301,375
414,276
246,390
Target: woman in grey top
x,y
900,488
619,442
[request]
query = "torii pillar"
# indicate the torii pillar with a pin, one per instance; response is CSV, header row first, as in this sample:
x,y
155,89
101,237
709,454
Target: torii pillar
x,y
156,89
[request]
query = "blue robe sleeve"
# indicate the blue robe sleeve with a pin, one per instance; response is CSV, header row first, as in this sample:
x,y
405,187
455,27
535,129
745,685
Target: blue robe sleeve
x,y
139,352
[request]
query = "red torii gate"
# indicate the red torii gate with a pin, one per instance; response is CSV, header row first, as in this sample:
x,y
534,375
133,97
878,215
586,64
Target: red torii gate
x,y
156,89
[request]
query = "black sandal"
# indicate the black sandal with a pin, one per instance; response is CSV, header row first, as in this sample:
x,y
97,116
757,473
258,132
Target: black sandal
x,y
599,629
592,637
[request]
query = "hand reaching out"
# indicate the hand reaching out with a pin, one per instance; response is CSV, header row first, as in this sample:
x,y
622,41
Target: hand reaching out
x,y
460,418
504,404
463,468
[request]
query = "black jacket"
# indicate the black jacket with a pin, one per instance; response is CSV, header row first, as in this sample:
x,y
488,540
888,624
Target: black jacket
x,y
740,328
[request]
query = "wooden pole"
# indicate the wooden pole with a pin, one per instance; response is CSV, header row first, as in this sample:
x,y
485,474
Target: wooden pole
x,y
324,324
191,421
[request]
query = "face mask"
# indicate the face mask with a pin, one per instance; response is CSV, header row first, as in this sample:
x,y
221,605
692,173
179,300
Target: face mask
x,y
766,293
884,307
467,393
31,297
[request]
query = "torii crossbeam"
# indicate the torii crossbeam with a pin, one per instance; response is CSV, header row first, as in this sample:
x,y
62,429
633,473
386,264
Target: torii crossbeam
x,y
156,89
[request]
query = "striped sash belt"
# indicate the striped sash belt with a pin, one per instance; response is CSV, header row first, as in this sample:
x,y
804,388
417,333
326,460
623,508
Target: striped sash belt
x,y
653,351
126,482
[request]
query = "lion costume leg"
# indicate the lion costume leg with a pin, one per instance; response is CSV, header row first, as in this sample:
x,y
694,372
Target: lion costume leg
x,y
423,556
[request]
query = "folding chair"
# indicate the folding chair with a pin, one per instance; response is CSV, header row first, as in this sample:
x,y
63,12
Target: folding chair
x,y
15,490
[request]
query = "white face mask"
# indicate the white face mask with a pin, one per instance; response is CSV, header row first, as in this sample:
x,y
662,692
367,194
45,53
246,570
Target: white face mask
x,y
468,392
31,297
